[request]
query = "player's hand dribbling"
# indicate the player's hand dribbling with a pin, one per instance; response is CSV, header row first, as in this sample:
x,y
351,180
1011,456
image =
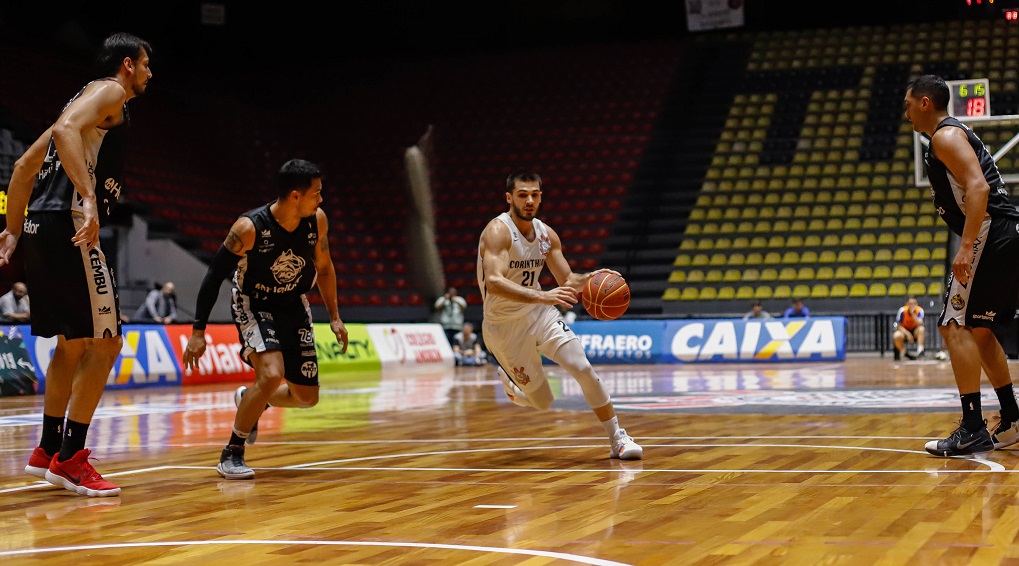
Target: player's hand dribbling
x,y
194,350
565,296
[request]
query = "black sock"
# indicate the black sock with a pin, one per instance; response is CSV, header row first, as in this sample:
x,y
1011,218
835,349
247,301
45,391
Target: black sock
x,y
1009,408
52,434
972,417
74,440
236,439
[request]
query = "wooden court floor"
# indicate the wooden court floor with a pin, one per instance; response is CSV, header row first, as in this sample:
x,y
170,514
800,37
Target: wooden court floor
x,y
817,463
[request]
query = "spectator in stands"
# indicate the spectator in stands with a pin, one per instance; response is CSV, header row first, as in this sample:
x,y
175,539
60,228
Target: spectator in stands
x,y
160,305
973,200
522,322
14,307
449,310
797,309
285,249
757,311
69,179
467,349
908,328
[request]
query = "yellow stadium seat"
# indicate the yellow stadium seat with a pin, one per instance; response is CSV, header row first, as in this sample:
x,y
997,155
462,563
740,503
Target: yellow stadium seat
x,y
772,258
938,254
762,292
922,254
801,290
862,272
693,229
868,239
834,224
897,289
924,237
838,291
877,290
830,240
882,272
846,256
689,294
826,256
902,254
934,288
904,238
858,290
865,255
787,274
849,239
688,244
732,275
811,241
713,276
790,257
750,274
694,276
776,241
870,223
677,277
794,241
671,294
907,222
917,288
754,258
852,223
920,271
769,274
884,255
682,260
819,291
941,237
745,292
938,271
888,223
707,294
900,272
805,273
824,273
844,272
726,293
782,292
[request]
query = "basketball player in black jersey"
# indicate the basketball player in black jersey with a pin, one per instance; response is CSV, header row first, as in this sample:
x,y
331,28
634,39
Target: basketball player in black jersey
x,y
275,254
70,178
971,197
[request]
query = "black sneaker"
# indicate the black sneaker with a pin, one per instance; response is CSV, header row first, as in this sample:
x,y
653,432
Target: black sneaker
x,y
962,442
231,464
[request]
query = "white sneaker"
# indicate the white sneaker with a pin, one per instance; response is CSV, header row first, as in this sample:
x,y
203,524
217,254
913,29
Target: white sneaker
x,y
512,391
253,433
624,448
1005,436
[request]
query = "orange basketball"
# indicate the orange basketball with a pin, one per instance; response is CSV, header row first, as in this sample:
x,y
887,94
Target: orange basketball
x,y
606,296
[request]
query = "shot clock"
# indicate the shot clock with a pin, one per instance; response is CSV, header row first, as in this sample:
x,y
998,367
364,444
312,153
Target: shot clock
x,y
970,98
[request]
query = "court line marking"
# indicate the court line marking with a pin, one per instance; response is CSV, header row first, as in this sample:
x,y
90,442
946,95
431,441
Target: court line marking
x,y
526,552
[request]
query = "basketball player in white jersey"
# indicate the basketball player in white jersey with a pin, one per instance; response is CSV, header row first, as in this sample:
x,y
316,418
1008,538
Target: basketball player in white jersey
x,y
521,320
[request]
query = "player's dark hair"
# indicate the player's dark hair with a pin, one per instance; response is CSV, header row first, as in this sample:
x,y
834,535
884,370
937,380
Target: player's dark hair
x,y
933,87
115,48
297,175
525,176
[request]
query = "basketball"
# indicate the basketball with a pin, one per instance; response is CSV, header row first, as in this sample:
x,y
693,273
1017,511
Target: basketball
x,y
606,296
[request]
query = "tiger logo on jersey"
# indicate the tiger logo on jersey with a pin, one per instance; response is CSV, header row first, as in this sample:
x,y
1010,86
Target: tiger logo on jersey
x,y
287,267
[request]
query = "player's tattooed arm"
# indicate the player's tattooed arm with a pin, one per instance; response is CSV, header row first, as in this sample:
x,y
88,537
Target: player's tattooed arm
x,y
233,243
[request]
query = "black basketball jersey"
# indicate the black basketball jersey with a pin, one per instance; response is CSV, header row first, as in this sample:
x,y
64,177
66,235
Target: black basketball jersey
x,y
104,156
281,265
948,194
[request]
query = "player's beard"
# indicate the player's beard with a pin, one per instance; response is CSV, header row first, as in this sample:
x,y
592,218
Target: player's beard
x,y
519,212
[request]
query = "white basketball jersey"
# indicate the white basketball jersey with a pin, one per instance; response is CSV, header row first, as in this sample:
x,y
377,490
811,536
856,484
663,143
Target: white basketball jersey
x,y
526,262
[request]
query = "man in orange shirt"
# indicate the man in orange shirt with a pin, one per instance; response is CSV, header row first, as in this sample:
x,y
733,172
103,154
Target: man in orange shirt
x,y
908,327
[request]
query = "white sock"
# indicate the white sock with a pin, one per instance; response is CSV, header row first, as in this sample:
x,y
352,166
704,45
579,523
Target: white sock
x,y
611,426
919,350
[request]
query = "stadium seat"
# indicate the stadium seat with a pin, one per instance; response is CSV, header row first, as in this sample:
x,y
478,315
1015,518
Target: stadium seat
x,y
838,291
917,288
819,291
882,272
825,273
877,290
707,294
694,276
677,277
689,294
858,290
862,272
745,292
920,271
762,292
782,292
670,294
769,274
897,289
935,288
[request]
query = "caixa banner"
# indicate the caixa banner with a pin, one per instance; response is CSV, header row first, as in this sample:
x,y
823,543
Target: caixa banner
x,y
821,338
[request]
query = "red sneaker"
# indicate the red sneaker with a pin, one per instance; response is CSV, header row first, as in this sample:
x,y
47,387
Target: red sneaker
x,y
38,463
79,476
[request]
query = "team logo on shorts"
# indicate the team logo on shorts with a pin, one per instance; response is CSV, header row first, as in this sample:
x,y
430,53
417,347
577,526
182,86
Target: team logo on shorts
x,y
309,369
520,377
958,302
